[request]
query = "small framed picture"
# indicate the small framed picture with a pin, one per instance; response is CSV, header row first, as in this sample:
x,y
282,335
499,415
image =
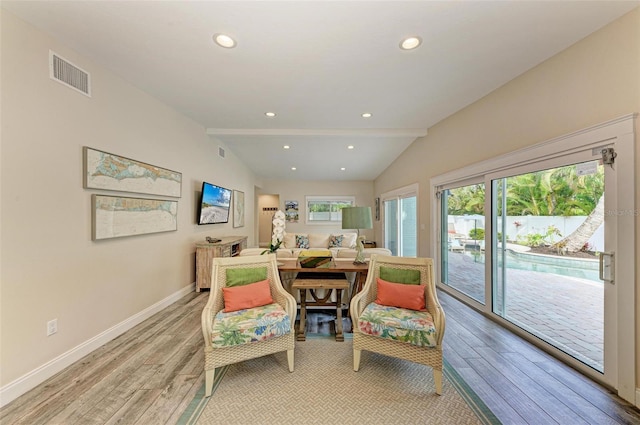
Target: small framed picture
x,y
238,208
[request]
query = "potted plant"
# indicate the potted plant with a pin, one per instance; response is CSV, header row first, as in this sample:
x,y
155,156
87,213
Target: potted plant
x,y
278,233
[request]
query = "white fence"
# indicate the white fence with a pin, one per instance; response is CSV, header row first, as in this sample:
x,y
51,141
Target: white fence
x,y
528,225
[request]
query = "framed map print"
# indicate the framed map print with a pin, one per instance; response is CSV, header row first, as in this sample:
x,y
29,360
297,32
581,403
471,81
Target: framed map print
x,y
115,216
103,170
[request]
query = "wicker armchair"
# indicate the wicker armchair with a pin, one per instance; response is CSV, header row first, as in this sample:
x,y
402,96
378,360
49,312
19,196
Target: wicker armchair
x,y
217,356
430,356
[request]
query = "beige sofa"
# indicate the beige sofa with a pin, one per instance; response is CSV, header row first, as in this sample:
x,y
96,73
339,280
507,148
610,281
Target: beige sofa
x,y
346,248
344,252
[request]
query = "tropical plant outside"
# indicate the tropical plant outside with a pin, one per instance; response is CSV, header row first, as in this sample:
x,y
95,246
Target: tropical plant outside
x,y
554,192
476,234
538,239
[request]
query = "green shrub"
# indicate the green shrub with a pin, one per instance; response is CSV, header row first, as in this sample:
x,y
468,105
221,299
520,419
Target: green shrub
x,y
534,239
476,234
537,239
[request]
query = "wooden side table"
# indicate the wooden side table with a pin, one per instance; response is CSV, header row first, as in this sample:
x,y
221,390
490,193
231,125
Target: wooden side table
x,y
312,284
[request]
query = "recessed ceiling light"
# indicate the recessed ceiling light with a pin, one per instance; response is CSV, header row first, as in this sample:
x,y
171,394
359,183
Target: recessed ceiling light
x,y
294,168
366,115
410,43
342,168
350,147
224,40
286,147
270,114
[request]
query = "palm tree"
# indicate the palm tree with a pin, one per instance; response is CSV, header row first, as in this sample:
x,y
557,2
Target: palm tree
x,y
466,200
578,239
554,192
586,190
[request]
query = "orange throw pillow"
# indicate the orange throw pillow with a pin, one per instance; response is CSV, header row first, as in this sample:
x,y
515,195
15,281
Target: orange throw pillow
x,y
247,296
400,295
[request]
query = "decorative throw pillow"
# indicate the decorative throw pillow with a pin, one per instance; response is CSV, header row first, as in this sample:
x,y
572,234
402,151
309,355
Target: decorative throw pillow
x,y
349,240
289,240
302,241
239,277
400,295
247,296
335,241
411,277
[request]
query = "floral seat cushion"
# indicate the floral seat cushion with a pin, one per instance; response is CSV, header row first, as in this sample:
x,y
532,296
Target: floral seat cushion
x,y
249,325
399,324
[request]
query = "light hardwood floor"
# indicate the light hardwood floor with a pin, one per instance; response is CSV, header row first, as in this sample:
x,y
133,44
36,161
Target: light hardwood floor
x,y
151,373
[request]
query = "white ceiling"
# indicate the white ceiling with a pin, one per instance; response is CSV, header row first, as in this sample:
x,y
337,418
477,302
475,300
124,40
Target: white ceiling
x,y
319,65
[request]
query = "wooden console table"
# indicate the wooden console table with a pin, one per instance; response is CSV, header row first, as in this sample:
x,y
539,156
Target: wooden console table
x,y
335,266
205,253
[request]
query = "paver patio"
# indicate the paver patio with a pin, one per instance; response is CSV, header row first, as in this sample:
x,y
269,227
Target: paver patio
x,y
565,311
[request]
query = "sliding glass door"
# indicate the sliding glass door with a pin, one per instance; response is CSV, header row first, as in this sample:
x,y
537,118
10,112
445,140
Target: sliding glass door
x,y
543,239
548,234
400,213
462,253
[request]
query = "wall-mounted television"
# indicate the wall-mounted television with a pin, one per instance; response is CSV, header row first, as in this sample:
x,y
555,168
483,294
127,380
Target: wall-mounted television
x,y
214,204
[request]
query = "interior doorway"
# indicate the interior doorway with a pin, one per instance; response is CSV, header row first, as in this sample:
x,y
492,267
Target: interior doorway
x,y
268,204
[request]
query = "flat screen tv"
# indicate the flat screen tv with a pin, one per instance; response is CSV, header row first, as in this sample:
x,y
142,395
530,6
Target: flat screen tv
x,y
214,204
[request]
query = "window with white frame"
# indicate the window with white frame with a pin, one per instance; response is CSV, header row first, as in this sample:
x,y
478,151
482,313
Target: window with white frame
x,y
327,209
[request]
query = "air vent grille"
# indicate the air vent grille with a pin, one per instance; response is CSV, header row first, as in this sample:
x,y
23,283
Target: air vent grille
x,y
221,152
68,74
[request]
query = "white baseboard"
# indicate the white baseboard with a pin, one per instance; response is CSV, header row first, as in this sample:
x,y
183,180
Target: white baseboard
x,y
16,388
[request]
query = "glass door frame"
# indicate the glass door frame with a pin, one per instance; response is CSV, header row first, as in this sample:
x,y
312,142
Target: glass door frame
x,y
587,154
621,363
398,195
444,231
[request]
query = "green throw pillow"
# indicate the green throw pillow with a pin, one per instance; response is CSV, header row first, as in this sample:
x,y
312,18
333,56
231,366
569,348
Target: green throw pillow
x,y
411,277
239,277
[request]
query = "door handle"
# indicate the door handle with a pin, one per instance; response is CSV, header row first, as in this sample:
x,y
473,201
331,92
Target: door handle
x,y
606,270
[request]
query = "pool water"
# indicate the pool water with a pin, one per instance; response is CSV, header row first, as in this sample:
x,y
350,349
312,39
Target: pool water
x,y
564,266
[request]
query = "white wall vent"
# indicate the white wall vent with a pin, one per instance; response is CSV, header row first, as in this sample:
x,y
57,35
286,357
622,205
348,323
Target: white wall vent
x,y
63,71
221,152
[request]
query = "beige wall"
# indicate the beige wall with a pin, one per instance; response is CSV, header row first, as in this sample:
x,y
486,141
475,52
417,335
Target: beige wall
x,y
593,81
50,268
292,190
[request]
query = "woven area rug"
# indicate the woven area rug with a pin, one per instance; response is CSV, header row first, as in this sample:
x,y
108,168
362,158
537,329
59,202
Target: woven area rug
x,y
324,389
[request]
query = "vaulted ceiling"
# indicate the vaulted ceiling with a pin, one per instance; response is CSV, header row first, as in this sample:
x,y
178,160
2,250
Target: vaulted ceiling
x,y
318,66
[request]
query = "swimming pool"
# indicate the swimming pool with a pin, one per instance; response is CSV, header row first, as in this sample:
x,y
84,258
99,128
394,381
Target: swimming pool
x,y
564,266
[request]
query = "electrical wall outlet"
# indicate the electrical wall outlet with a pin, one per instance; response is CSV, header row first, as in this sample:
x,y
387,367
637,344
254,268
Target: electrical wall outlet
x,y
52,327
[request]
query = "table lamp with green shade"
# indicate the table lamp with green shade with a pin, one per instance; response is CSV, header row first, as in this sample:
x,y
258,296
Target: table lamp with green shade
x,y
357,218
